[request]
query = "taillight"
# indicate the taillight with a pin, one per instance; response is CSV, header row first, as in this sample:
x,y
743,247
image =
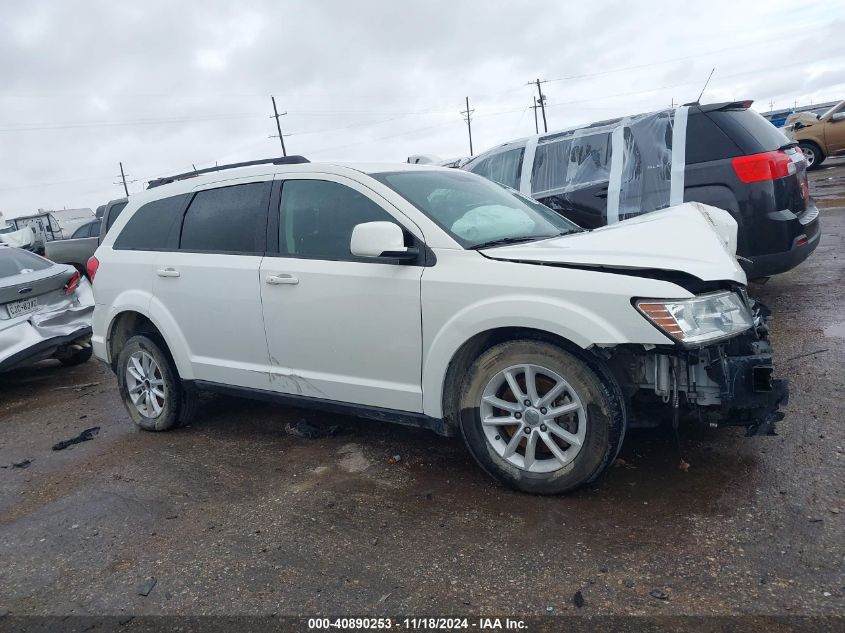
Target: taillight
x,y
72,285
92,267
765,166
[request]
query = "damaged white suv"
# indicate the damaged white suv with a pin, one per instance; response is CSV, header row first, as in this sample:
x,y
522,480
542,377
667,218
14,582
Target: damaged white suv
x,y
431,297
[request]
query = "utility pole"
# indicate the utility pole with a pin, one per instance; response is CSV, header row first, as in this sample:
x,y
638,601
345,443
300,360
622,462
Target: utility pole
x,y
276,116
672,104
542,101
468,120
536,125
123,180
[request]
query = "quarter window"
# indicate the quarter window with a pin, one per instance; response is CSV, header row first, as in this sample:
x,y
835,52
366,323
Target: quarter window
x,y
153,227
317,218
227,220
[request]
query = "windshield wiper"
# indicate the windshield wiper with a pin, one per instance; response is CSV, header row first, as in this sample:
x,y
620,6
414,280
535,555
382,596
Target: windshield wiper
x,y
510,240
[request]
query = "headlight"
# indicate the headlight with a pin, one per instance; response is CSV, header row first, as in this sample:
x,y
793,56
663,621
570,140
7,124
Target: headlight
x,y
698,320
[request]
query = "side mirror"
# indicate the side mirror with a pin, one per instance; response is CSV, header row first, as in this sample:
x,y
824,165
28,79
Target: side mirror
x,y
839,116
381,240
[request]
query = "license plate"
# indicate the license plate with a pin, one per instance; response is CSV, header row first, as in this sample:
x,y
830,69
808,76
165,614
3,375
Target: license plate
x,y
26,306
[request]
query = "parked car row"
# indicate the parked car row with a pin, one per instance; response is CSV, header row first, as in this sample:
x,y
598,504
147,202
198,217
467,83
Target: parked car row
x,y
539,299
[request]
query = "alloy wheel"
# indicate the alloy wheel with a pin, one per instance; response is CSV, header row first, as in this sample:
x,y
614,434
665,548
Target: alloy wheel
x,y
145,384
533,418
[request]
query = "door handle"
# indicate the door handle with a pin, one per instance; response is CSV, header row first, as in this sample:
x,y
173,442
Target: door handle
x,y
282,279
167,272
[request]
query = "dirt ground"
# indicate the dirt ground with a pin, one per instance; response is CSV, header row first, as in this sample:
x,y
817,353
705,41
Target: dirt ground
x,y
233,516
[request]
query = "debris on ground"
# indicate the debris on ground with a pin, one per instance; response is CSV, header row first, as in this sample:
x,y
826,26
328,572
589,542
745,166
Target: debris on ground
x,y
84,385
394,459
578,599
628,583
308,431
87,434
22,464
147,586
683,466
621,463
657,593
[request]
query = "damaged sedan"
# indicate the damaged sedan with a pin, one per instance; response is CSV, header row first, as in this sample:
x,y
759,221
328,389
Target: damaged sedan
x,y
45,311
434,298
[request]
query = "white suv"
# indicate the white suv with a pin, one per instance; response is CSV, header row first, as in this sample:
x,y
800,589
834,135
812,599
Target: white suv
x,y
430,297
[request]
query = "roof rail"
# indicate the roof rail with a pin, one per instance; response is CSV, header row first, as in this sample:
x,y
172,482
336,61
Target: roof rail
x,y
282,160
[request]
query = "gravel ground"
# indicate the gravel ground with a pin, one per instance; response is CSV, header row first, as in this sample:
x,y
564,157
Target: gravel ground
x,y
233,516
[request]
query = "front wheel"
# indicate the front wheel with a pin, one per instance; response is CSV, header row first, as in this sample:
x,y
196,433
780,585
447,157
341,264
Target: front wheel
x,y
150,387
540,419
812,153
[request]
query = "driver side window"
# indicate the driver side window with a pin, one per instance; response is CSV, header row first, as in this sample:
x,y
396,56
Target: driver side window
x,y
317,218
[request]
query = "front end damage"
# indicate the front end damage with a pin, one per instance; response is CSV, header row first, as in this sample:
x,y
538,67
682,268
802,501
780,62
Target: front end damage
x,y
727,383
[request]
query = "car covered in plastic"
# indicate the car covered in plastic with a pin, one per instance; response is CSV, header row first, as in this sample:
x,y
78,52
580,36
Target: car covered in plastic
x,y
724,155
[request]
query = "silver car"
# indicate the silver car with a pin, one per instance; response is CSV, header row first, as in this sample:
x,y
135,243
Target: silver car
x,y
45,310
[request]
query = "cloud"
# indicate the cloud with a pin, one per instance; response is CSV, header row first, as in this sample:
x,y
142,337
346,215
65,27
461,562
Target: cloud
x,y
164,85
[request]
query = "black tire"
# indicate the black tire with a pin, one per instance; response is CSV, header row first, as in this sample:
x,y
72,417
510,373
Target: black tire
x,y
810,149
77,358
595,386
180,400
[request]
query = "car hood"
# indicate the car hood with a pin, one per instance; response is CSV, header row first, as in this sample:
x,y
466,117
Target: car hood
x,y
690,238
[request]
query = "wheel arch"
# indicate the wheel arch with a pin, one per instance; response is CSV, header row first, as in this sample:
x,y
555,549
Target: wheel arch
x,y
130,322
477,344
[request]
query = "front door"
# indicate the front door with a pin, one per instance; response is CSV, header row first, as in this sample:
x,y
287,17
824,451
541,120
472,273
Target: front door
x,y
339,327
208,290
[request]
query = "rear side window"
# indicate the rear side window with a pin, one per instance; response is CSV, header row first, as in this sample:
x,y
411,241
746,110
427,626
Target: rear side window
x,y
227,220
749,130
706,141
570,162
504,167
13,261
153,227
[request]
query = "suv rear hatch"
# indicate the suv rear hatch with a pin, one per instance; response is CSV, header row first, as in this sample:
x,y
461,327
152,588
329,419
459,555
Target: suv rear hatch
x,y
730,146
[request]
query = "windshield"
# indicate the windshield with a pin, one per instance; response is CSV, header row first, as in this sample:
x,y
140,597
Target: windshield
x,y
473,210
839,105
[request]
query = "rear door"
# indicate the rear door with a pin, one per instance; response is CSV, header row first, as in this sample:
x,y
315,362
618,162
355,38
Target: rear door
x,y
340,327
206,290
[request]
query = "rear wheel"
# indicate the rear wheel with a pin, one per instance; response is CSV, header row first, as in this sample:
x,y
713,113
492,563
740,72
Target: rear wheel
x,y
540,419
150,386
812,153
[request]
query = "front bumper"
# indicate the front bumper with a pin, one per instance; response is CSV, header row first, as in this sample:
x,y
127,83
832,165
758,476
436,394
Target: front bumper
x,y
750,396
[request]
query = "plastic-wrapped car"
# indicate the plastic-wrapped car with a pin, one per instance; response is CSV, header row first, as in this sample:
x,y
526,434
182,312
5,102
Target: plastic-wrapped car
x,y
724,155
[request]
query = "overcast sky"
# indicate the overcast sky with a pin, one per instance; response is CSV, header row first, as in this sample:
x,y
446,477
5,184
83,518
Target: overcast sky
x,y
164,85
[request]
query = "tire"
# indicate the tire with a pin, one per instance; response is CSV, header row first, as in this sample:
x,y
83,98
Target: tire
x,y
596,419
813,153
78,357
168,402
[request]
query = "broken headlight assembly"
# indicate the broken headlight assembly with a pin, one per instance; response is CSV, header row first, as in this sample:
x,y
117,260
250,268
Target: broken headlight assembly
x,y
699,320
